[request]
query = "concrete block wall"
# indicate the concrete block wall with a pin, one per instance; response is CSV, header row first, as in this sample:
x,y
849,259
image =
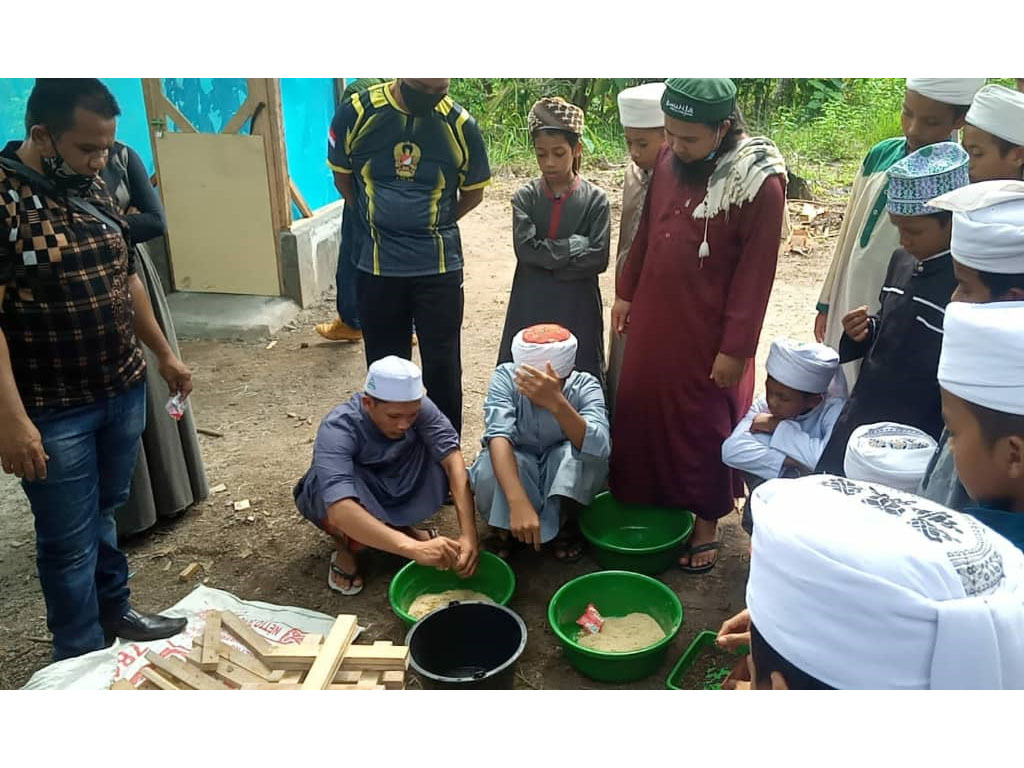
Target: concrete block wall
x,y
309,254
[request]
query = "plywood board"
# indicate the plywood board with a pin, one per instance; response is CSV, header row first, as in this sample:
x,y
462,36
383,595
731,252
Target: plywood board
x,y
219,223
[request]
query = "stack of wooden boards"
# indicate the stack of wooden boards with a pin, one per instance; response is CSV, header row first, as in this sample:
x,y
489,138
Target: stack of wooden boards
x,y
317,663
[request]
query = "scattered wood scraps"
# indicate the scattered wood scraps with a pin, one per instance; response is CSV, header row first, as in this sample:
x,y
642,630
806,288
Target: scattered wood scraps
x,y
272,344
209,432
241,506
219,488
333,663
189,571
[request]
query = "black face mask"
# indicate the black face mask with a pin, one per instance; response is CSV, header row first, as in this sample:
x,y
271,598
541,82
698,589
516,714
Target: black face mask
x,y
56,169
419,102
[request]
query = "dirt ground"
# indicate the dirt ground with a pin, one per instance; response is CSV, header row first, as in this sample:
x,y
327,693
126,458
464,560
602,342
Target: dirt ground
x,y
270,553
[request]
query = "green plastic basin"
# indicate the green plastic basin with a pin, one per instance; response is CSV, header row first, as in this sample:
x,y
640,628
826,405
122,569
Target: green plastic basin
x,y
493,578
614,593
629,537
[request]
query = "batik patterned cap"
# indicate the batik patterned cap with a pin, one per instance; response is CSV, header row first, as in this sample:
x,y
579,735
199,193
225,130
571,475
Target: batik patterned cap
x,y
927,173
555,113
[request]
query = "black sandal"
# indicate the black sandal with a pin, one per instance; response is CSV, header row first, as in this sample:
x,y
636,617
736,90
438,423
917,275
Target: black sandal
x,y
691,551
569,541
500,543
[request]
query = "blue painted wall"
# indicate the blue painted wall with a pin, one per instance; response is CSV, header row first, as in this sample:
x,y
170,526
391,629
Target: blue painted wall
x,y
131,127
308,107
307,104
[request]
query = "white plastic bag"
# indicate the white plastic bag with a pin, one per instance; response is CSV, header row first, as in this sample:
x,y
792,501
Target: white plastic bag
x,y
124,660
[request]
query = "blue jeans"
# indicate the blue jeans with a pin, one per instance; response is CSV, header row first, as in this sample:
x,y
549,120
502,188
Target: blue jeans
x,y
92,450
347,275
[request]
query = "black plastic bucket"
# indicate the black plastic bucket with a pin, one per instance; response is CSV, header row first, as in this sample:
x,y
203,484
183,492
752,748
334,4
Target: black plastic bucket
x,y
467,645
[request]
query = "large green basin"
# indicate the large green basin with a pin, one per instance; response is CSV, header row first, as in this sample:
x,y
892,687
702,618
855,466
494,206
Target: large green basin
x,y
614,593
493,578
634,538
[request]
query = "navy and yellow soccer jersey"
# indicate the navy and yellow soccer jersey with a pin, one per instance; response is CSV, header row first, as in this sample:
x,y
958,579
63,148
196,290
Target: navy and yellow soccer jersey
x,y
407,171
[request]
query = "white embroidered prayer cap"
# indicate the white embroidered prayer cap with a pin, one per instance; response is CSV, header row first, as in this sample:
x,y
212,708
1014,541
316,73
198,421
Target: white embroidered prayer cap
x,y
805,366
999,110
982,358
640,106
866,587
394,380
539,345
895,455
958,91
988,225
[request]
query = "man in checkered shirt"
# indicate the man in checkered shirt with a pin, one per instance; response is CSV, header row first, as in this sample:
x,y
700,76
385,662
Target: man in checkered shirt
x,y
72,372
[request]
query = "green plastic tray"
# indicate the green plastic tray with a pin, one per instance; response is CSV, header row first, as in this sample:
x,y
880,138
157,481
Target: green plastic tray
x,y
700,643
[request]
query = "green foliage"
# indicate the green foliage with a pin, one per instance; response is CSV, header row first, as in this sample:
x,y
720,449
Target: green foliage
x,y
824,126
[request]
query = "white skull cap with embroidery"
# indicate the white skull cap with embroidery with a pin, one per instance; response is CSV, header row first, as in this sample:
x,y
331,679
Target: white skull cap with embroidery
x,y
866,587
394,380
895,455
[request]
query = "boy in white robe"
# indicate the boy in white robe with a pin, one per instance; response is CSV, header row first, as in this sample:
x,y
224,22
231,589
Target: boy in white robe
x,y
785,431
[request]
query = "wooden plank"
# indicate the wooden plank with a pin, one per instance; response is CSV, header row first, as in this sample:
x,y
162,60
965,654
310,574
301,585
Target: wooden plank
x,y
210,654
239,659
189,571
333,650
236,123
376,658
122,685
347,677
273,687
357,687
292,678
393,681
269,123
236,676
190,676
299,200
246,635
160,681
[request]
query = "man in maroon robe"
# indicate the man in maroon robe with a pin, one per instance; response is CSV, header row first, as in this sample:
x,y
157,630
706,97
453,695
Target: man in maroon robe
x,y
692,298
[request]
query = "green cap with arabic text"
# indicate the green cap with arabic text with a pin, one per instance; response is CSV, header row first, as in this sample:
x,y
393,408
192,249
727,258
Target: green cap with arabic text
x,y
699,99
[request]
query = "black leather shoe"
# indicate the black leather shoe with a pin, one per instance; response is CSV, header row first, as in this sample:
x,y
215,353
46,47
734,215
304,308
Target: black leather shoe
x,y
143,627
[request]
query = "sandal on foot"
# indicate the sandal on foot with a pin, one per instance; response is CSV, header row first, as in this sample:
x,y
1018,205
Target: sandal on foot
x,y
691,551
571,545
352,589
501,545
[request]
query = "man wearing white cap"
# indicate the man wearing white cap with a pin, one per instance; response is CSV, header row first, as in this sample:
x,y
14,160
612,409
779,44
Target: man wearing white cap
x,y
981,373
857,586
785,431
994,134
382,463
546,445
894,455
644,125
900,345
933,110
988,261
